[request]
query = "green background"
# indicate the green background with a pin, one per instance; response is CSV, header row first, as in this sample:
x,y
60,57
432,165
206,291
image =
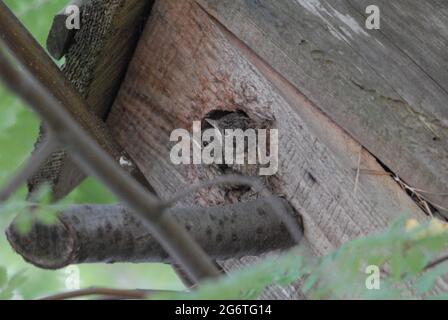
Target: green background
x,y
18,131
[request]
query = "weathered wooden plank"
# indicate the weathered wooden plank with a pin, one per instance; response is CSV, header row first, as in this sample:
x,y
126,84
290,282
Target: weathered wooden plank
x,y
95,66
368,82
197,67
420,29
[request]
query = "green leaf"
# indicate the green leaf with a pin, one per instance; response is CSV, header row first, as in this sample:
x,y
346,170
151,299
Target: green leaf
x,y
23,223
16,280
248,283
47,215
414,261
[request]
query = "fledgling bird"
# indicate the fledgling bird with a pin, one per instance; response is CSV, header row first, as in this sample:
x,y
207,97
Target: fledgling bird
x,y
231,120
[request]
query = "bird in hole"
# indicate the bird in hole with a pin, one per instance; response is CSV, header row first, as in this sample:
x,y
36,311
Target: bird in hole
x,y
221,122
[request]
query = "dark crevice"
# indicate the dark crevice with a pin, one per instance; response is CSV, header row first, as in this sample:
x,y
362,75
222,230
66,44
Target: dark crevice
x,y
435,212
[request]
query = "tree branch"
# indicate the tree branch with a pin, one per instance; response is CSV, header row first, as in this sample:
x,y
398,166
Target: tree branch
x,y
31,166
106,293
96,162
100,233
293,223
436,262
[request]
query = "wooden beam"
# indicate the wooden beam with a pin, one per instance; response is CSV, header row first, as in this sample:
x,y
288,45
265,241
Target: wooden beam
x,y
196,67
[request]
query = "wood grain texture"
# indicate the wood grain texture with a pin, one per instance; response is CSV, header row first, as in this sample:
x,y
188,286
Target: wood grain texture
x,y
419,29
95,65
197,67
386,88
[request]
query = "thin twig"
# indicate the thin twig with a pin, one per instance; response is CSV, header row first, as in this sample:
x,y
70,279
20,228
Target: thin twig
x,y
96,162
31,166
106,292
439,207
431,193
355,189
424,204
417,192
423,201
436,262
373,172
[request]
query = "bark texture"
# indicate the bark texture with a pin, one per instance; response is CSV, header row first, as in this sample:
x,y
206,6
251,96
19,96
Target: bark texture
x,y
96,233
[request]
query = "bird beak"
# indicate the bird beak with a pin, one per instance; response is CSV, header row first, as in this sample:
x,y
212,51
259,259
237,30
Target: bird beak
x,y
214,124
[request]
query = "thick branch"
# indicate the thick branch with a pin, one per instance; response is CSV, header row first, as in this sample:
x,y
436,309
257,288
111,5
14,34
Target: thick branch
x,y
275,204
99,233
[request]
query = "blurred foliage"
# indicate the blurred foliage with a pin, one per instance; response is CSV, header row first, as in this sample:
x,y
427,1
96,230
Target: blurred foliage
x,y
9,285
401,254
18,131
